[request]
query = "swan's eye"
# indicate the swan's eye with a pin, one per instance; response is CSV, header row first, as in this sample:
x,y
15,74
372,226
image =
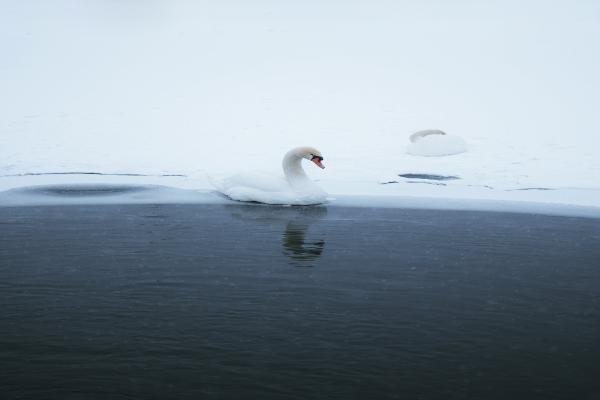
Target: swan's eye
x,y
317,157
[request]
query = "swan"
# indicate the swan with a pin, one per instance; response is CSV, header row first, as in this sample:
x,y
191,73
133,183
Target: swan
x,y
433,142
295,188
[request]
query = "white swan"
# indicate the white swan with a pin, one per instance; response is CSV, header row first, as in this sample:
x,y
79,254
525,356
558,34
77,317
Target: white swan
x,y
295,189
433,142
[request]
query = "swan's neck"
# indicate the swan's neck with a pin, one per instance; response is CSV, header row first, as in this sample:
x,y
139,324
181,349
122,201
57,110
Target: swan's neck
x,y
292,168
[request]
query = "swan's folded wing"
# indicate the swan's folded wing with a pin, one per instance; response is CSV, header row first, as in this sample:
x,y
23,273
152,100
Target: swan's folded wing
x,y
266,189
254,180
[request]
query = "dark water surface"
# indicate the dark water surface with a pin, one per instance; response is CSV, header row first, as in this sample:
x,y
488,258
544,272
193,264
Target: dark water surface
x,y
247,301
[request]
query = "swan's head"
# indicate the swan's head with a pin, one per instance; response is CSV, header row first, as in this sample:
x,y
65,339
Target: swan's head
x,y
311,154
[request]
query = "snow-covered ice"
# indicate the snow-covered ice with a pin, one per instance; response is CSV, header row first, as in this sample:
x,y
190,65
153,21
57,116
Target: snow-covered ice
x,y
166,93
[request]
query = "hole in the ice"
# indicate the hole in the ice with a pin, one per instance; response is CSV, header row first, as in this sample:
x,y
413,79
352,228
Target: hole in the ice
x,y
430,177
86,190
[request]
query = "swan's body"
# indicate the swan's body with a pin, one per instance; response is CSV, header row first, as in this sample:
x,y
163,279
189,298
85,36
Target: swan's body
x,y
433,142
295,188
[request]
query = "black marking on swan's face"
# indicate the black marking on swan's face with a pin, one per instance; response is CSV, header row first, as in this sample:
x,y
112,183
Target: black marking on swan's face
x,y
317,160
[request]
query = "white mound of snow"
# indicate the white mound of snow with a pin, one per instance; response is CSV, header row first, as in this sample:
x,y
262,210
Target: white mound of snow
x,y
431,143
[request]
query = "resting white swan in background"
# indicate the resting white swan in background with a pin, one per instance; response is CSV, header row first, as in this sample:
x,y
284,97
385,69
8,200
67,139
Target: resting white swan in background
x,y
294,189
433,142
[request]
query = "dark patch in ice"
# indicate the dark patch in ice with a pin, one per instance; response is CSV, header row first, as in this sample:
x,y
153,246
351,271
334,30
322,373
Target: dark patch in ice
x,y
85,190
387,183
429,177
87,173
102,193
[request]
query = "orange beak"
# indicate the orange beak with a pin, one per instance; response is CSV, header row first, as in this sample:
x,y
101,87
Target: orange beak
x,y
317,161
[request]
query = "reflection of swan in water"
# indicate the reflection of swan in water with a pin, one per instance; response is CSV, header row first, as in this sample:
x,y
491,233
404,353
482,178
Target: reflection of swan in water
x,y
297,248
295,222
